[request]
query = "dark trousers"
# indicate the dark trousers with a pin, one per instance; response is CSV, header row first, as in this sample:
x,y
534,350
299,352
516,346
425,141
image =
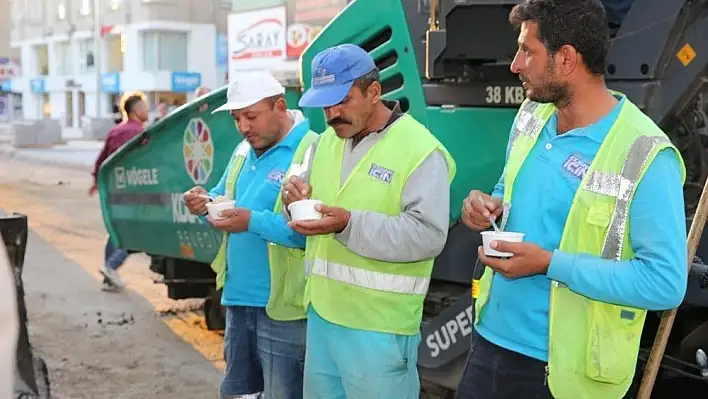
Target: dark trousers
x,y
493,372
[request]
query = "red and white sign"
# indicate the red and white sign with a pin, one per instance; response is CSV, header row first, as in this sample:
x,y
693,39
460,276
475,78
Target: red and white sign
x,y
298,37
257,39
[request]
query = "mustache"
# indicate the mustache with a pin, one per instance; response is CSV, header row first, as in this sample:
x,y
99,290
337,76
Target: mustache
x,y
338,121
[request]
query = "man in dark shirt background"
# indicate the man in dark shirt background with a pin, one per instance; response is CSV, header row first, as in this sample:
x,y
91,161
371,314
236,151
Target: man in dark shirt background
x,y
137,112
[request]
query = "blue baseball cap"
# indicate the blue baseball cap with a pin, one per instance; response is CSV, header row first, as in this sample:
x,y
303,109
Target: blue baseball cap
x,y
333,73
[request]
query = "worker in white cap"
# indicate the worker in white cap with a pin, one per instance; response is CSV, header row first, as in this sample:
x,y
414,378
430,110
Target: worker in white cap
x,y
260,265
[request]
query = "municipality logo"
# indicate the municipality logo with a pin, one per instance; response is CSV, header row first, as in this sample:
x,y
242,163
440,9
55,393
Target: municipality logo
x,y
120,177
575,166
276,176
381,173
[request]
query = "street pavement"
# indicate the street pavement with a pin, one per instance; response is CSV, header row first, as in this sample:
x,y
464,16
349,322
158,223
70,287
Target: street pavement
x,y
74,153
135,344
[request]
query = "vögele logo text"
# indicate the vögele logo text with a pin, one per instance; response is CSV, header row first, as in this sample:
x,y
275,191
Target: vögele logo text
x,y
119,177
136,177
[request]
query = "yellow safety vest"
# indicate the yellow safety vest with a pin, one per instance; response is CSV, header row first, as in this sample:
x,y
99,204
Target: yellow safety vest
x,y
351,290
593,346
287,265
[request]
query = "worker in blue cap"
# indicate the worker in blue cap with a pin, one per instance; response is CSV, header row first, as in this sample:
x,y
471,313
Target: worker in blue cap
x,y
384,182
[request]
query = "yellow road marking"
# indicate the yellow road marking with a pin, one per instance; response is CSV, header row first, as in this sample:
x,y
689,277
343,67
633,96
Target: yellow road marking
x,y
208,343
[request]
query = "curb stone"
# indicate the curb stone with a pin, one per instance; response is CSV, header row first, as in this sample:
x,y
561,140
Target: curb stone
x,y
8,152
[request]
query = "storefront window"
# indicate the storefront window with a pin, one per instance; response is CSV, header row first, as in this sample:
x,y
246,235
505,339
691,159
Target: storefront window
x,y
62,52
164,51
42,59
86,58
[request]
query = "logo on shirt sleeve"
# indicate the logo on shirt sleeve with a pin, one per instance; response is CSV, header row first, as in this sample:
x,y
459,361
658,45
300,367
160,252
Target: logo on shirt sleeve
x,y
276,176
381,173
576,166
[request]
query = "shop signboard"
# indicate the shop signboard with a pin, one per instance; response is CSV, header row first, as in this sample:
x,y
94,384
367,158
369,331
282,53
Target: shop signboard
x,y
222,50
256,39
110,82
183,82
37,85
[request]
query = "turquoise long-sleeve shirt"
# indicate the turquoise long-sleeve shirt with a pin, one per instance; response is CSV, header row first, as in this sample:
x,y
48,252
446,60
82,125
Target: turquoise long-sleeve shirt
x,y
257,188
516,316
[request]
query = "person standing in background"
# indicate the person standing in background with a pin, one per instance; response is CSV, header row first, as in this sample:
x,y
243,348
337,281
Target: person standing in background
x,y
161,110
136,110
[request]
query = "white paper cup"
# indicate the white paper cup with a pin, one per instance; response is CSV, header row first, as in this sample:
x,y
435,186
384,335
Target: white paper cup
x,y
214,208
489,236
304,210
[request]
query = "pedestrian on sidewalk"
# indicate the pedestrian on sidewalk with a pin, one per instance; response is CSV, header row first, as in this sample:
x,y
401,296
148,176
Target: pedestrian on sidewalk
x,y
136,110
260,266
385,182
596,187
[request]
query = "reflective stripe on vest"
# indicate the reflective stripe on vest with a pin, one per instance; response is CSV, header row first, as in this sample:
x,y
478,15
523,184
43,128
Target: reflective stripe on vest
x,y
621,186
529,125
369,278
219,264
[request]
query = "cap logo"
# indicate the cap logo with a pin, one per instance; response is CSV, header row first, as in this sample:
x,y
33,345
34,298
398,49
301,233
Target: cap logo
x,y
322,77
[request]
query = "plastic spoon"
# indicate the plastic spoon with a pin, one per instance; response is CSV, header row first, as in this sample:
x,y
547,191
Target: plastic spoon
x,y
207,197
491,218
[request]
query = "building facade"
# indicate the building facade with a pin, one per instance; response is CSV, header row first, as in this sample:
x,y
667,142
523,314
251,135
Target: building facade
x,y
164,48
10,103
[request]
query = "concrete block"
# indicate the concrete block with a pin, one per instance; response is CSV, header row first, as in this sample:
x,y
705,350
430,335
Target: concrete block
x,y
25,133
50,133
35,133
96,128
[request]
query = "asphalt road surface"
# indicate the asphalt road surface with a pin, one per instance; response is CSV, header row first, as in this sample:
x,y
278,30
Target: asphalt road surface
x,y
134,344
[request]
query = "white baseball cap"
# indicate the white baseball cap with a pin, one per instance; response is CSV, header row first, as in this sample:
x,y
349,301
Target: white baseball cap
x,y
248,88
